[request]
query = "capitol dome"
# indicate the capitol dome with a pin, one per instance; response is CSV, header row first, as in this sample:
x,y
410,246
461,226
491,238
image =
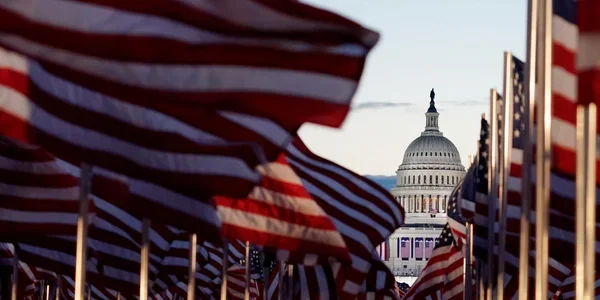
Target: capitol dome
x,y
432,149
430,170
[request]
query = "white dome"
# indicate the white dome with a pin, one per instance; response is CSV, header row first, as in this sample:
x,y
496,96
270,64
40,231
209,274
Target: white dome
x,y
429,172
432,150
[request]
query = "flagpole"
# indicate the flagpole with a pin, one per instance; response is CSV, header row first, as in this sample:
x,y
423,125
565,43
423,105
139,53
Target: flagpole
x,y
468,268
544,109
590,230
585,203
266,274
15,275
191,287
225,268
247,274
492,190
280,280
57,288
505,166
290,281
480,265
528,106
144,260
85,181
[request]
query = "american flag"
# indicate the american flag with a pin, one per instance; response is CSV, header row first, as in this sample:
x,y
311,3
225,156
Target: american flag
x,y
444,271
557,271
185,100
315,282
429,244
379,284
455,219
588,57
405,248
567,288
419,248
363,212
280,213
45,188
516,153
383,250
474,194
564,87
224,56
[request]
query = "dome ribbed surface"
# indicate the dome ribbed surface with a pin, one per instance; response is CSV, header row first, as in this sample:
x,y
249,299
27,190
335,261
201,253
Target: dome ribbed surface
x,y
431,149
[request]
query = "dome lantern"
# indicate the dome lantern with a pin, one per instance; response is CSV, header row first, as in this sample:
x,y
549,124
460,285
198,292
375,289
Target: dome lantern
x,y
432,149
431,118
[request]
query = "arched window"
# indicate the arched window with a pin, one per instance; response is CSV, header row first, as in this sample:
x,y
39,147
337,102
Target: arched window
x,y
419,178
436,179
413,182
448,179
430,179
442,179
435,153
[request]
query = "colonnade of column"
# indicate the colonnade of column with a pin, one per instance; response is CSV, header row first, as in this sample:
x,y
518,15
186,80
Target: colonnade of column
x,y
423,203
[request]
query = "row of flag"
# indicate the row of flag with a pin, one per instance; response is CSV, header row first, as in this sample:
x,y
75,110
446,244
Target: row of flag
x,y
149,150
526,227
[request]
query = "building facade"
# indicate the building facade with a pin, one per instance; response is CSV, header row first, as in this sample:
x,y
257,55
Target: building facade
x,y
430,170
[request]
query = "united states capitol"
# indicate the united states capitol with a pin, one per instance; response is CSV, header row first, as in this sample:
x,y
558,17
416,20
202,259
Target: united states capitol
x,y
429,171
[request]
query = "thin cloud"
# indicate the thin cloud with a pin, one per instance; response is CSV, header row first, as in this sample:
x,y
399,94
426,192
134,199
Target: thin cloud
x,y
482,101
372,105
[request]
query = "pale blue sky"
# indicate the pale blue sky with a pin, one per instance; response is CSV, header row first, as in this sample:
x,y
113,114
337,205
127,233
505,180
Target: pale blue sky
x,y
453,46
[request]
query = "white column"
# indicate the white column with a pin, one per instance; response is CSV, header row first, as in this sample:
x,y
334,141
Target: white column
x,y
428,204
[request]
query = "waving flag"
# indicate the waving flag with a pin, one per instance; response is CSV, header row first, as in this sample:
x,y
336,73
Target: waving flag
x,y
474,193
252,56
443,273
383,250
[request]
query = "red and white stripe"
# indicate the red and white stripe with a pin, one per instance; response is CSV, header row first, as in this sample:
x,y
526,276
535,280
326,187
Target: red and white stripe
x,y
236,283
315,282
174,266
162,152
380,283
114,234
442,277
210,275
564,87
253,56
567,288
383,250
28,276
67,291
279,213
363,212
179,289
37,195
588,56
557,271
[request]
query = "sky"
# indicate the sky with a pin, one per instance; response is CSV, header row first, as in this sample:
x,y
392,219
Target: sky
x,y
454,46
